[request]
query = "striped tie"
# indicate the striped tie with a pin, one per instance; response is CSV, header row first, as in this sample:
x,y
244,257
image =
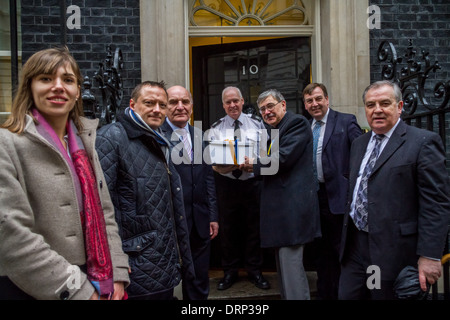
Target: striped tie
x,y
187,145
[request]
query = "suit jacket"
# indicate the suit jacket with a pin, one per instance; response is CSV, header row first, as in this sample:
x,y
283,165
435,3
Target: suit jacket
x,y
408,196
341,130
198,184
289,204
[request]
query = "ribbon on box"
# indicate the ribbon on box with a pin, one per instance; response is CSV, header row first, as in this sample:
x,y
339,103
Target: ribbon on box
x,y
233,149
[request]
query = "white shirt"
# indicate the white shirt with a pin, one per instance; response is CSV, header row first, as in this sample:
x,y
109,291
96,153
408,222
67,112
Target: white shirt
x,y
369,149
175,128
251,129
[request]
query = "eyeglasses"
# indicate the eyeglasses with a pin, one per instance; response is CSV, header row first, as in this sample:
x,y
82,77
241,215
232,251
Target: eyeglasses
x,y
269,107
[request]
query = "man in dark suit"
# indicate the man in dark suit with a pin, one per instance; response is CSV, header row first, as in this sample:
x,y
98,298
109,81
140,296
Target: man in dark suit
x,y
198,187
289,204
333,134
399,201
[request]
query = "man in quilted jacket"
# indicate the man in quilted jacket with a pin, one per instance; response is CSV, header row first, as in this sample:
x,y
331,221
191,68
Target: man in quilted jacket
x,y
147,196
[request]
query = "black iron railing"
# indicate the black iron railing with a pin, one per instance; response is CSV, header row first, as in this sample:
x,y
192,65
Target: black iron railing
x,y
419,109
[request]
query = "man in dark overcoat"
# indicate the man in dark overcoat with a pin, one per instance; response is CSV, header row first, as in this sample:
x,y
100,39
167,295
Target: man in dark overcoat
x,y
289,205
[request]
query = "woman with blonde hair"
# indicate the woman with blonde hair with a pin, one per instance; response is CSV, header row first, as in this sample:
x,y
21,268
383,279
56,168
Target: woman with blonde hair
x,y
58,235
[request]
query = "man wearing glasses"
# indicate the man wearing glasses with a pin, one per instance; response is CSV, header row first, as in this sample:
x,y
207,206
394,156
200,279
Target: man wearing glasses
x,y
289,204
238,195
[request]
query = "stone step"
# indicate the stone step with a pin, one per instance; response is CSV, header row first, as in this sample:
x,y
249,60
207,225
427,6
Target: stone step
x,y
245,290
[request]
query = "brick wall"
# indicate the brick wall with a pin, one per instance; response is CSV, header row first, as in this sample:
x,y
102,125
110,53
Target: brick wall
x,y
426,22
103,22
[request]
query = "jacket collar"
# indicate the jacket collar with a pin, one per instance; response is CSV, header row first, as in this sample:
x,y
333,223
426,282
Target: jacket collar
x,y
135,131
132,130
395,141
89,125
285,118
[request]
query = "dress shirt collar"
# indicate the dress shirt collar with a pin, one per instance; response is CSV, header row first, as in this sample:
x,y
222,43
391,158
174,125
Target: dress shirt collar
x,y
390,132
174,127
324,119
230,121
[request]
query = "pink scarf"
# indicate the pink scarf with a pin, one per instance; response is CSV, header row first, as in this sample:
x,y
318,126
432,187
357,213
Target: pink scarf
x,y
98,257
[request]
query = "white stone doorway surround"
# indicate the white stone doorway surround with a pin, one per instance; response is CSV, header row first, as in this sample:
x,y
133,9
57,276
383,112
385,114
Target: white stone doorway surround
x,y
339,43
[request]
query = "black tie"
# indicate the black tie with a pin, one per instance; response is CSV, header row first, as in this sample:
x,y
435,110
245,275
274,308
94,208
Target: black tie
x,y
237,131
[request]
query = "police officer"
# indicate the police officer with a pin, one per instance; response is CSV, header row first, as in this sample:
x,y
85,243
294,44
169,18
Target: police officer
x,y
238,195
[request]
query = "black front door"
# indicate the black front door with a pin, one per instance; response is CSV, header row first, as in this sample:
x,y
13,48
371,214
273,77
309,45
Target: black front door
x,y
283,64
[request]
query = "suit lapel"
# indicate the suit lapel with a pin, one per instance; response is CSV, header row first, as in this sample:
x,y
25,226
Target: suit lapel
x,y
166,129
194,136
331,123
357,155
168,132
396,140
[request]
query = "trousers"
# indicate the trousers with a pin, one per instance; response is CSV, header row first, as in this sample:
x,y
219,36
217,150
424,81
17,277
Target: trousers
x,y
291,273
238,202
354,271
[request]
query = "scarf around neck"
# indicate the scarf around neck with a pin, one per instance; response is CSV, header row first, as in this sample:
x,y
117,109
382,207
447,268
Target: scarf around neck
x,y
162,141
98,257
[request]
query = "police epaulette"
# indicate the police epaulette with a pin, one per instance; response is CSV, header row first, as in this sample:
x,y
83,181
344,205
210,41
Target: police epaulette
x,y
256,117
215,124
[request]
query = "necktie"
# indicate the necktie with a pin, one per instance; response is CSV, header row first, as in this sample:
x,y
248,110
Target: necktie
x,y
316,135
187,145
237,131
361,213
237,135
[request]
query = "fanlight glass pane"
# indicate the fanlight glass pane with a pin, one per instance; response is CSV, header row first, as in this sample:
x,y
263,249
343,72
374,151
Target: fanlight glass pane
x,y
247,12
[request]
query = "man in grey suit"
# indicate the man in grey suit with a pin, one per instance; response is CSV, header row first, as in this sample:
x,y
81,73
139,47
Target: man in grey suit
x,y
399,201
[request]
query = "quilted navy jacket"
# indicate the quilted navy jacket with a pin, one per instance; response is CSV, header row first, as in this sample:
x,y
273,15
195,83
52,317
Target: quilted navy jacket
x,y
146,192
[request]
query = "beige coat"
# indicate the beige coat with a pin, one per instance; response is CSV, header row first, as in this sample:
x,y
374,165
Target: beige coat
x,y
41,238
